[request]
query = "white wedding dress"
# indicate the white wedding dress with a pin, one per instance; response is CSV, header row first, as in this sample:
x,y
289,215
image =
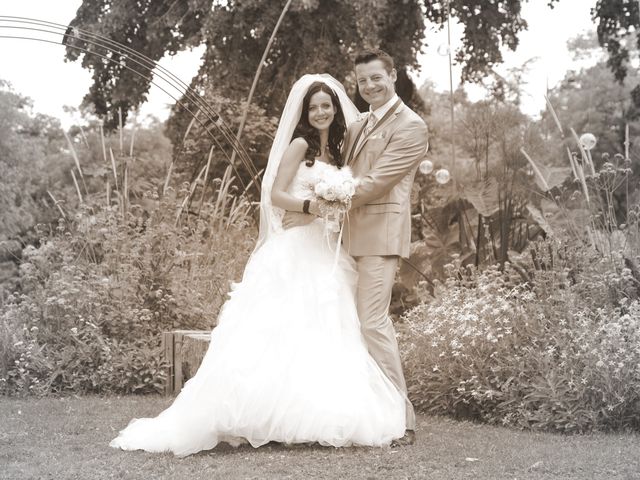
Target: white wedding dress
x,y
287,361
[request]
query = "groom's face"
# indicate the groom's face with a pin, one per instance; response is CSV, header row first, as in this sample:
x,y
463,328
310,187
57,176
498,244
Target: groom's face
x,y
375,84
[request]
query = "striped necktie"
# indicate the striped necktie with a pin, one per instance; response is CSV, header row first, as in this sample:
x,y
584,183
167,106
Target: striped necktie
x,y
371,122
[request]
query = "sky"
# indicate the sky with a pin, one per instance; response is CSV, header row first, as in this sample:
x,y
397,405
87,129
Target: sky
x,y
38,70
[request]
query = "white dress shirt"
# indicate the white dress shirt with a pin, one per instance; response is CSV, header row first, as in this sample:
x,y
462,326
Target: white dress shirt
x,y
380,112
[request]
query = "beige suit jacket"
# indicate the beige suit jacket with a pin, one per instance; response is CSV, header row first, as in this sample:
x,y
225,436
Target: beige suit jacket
x,y
379,222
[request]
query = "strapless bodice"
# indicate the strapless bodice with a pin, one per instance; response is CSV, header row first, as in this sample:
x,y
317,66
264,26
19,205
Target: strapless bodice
x,y
306,177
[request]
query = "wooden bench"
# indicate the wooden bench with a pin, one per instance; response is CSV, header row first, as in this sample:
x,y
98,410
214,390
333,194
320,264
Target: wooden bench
x,y
183,350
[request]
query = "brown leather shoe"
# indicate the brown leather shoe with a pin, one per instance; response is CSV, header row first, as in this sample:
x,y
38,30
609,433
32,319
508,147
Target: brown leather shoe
x,y
408,439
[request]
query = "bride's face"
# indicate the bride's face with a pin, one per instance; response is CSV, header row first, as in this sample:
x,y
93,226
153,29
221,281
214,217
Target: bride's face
x,y
321,111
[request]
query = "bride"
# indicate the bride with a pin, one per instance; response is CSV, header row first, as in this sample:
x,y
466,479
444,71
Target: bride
x,y
287,361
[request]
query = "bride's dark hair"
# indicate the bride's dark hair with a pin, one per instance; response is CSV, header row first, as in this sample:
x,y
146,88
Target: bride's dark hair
x,y
312,136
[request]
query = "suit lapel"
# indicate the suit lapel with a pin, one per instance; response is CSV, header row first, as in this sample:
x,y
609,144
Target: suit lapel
x,y
393,114
360,129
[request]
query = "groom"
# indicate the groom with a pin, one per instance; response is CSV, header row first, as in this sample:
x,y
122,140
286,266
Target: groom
x,y
383,149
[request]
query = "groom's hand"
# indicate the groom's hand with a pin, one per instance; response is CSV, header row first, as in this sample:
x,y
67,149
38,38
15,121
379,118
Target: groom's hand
x,y
297,219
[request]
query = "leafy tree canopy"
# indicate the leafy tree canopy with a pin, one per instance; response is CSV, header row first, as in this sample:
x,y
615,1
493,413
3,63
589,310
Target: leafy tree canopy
x,y
592,100
618,24
30,164
316,36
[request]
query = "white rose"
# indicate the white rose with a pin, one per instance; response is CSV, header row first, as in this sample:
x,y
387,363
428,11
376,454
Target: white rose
x,y
321,189
330,195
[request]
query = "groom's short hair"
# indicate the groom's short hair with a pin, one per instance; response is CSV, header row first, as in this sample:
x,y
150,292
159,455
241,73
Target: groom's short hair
x,y
367,56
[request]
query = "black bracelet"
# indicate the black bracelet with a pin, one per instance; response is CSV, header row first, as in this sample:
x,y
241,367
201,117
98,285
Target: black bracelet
x,y
305,206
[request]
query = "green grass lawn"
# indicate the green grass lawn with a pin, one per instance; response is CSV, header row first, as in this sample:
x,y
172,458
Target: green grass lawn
x,y
68,438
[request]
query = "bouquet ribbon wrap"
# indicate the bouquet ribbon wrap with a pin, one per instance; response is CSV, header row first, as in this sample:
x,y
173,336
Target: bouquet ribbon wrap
x,y
334,191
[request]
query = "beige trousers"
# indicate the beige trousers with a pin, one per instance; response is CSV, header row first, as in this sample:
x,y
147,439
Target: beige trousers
x,y
376,275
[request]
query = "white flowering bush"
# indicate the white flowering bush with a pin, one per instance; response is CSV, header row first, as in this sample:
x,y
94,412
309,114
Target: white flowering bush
x,y
98,292
561,352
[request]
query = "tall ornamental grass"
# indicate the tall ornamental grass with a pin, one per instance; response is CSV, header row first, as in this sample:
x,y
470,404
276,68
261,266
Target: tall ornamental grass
x,y
134,258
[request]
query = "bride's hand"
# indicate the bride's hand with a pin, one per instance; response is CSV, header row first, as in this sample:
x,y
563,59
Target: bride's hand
x,y
297,219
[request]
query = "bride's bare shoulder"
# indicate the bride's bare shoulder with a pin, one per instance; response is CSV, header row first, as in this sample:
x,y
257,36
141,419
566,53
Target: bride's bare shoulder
x,y
295,152
297,148
299,143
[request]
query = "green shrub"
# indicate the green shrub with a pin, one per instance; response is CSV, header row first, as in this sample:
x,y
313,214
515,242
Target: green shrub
x,y
98,292
561,352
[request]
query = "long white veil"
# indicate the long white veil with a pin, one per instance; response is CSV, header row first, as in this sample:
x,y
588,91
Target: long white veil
x,y
270,216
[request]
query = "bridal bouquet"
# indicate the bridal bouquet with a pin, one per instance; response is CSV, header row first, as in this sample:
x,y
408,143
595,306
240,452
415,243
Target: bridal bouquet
x,y
333,192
